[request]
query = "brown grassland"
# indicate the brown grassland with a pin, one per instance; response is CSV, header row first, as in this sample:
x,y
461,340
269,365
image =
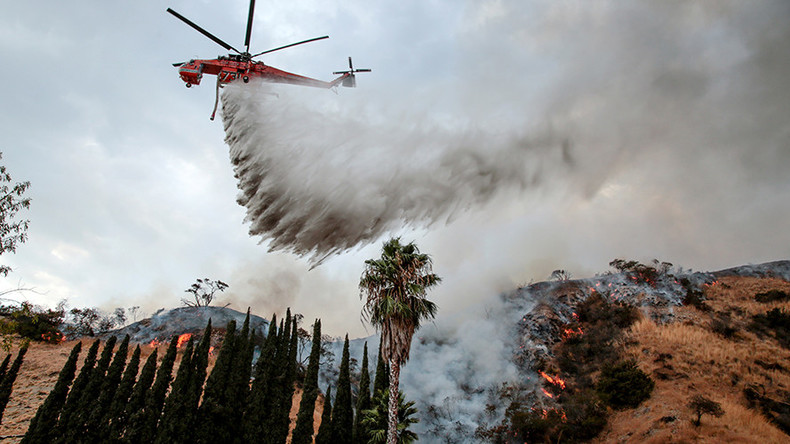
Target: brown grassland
x,y
687,357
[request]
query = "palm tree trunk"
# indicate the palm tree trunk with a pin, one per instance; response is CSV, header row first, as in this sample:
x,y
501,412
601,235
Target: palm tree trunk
x,y
392,422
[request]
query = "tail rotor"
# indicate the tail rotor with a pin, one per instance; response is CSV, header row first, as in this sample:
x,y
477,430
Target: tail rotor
x,y
351,80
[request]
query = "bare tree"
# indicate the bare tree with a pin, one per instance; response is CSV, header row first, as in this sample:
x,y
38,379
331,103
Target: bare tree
x,y
134,310
203,292
560,275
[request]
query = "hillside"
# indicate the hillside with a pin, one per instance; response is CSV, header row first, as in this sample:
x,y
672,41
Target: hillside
x,y
712,352
717,334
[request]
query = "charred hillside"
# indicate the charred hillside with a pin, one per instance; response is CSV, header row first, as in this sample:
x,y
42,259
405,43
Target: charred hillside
x,y
621,356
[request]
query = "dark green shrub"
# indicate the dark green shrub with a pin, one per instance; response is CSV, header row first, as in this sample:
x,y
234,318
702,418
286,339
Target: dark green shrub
x,y
624,385
596,309
585,416
723,326
694,297
772,296
774,322
600,322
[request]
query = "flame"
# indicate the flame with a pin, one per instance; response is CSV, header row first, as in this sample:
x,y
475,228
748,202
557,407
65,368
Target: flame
x,y
545,413
547,393
182,339
569,332
211,350
53,337
154,343
556,380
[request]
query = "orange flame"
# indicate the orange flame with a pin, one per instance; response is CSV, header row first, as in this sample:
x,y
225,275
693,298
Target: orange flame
x,y
556,380
182,339
547,393
569,332
211,350
154,343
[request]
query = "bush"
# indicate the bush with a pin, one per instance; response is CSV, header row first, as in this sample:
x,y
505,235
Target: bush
x,y
31,322
693,297
624,385
585,416
723,326
601,322
772,296
775,322
597,310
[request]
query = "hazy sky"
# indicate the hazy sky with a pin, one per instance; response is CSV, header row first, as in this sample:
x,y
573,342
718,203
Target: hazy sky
x,y
652,130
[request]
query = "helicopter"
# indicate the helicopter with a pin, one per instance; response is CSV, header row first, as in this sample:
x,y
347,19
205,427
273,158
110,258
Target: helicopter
x,y
242,66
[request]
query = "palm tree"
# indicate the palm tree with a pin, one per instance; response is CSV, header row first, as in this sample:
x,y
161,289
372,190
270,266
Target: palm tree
x,y
394,288
375,419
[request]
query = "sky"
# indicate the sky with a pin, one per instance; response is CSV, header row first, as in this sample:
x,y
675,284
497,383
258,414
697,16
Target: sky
x,y
526,136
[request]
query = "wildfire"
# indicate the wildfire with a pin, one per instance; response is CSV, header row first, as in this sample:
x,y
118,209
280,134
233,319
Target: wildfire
x,y
182,339
154,343
556,380
569,332
53,337
545,413
211,350
547,393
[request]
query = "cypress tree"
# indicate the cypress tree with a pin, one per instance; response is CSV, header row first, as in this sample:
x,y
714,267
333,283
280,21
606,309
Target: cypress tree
x,y
70,409
109,386
171,426
284,384
381,382
121,424
255,417
324,435
215,419
363,401
199,364
238,385
303,432
342,414
118,404
143,424
43,423
7,384
75,428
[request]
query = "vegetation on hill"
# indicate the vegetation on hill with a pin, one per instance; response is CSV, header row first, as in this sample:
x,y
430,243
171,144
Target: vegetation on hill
x,y
714,371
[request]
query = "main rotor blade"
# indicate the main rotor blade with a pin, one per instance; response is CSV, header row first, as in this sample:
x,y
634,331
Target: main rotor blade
x,y
203,31
249,26
292,44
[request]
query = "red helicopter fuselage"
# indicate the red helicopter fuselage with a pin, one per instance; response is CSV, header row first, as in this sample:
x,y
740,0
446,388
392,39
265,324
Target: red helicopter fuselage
x,y
232,67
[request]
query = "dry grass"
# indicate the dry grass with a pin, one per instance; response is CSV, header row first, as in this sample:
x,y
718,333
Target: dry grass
x,y
688,358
